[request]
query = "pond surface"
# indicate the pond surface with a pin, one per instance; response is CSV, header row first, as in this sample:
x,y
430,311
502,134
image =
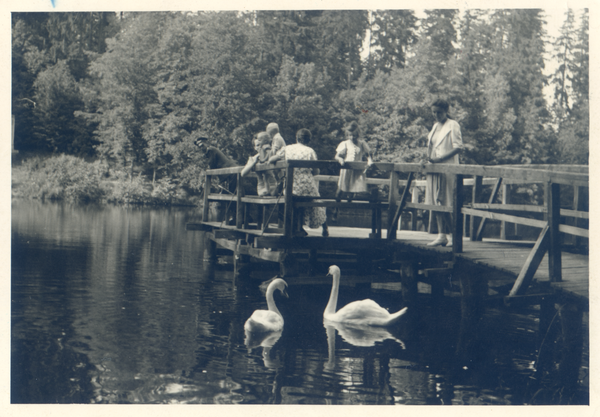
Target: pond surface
x,y
115,305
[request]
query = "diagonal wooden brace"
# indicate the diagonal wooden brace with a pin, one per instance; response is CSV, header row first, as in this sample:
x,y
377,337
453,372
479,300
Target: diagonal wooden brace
x,y
394,224
532,263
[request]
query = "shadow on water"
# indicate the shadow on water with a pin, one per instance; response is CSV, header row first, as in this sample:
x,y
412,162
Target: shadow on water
x,y
115,305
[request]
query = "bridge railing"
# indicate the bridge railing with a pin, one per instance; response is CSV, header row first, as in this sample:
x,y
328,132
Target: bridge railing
x,y
551,177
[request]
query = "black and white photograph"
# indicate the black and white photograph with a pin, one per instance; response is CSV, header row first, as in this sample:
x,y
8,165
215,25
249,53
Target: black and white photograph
x,y
374,204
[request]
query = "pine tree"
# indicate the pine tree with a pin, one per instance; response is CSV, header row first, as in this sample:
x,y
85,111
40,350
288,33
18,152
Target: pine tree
x,y
563,76
517,59
392,31
574,132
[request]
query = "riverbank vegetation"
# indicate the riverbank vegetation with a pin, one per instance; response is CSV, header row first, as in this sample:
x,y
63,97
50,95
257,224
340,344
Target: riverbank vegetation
x,y
111,103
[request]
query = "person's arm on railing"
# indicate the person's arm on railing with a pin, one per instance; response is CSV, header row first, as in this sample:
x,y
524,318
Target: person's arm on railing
x,y
249,165
277,156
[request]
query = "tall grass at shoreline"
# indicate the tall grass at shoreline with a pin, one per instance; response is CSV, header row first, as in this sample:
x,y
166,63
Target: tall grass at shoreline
x,y
69,178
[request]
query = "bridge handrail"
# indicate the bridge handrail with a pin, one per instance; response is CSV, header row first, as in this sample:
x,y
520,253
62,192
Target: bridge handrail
x,y
552,176
524,173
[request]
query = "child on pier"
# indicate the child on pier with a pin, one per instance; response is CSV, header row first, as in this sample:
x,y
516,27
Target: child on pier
x,y
267,184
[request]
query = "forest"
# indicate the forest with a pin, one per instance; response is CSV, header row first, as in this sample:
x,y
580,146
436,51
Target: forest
x,y
120,98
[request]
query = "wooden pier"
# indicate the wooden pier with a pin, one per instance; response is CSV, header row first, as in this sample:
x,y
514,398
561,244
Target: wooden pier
x,y
258,232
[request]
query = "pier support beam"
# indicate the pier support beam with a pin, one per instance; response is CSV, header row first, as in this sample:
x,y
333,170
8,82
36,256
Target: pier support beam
x,y
241,261
288,266
210,248
571,320
312,261
473,288
409,279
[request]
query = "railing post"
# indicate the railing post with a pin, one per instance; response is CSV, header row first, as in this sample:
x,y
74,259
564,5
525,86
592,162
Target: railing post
x,y
288,210
239,209
475,198
577,206
554,252
506,229
207,181
457,217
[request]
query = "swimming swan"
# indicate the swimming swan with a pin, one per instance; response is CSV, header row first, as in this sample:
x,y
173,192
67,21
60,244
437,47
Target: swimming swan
x,y
357,313
268,320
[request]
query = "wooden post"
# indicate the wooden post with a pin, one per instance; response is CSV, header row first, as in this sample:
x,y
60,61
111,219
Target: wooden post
x,y
246,216
375,220
409,280
239,214
554,250
392,220
288,266
495,190
207,182
577,205
473,288
312,261
547,313
475,198
413,219
431,226
210,248
506,229
288,210
457,217
571,318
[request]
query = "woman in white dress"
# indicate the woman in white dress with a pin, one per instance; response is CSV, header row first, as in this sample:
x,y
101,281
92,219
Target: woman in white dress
x,y
351,181
443,147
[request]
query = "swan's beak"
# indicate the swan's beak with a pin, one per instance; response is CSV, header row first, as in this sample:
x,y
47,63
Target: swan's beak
x,y
285,294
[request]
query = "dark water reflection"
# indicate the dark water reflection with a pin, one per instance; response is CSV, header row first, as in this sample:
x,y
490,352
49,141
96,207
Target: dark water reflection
x,y
115,305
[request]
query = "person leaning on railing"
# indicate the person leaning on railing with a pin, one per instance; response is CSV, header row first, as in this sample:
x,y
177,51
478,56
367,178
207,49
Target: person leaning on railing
x,y
443,147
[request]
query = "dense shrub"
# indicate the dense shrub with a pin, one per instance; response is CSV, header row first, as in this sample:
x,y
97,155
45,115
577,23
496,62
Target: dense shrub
x,y
73,179
62,177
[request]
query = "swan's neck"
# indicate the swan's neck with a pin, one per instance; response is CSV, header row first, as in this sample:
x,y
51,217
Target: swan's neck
x,y
332,304
271,301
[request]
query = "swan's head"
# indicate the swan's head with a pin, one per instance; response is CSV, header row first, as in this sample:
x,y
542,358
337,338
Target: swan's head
x,y
334,270
281,285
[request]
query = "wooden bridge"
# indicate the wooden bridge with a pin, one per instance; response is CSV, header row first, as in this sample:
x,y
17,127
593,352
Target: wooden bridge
x,y
555,258
516,253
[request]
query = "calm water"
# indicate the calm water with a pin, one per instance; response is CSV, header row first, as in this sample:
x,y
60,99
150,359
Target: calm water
x,y
115,305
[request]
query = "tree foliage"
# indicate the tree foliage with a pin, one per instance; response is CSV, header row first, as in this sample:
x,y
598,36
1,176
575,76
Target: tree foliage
x,y
136,89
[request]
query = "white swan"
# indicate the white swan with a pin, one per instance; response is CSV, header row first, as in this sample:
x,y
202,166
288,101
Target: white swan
x,y
268,320
357,313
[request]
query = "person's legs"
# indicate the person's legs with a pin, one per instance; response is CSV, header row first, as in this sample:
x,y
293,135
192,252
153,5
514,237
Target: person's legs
x,y
299,222
446,222
442,239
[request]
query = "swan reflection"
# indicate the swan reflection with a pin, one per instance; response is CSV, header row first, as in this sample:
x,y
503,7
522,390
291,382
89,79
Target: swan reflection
x,y
362,336
365,336
266,340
